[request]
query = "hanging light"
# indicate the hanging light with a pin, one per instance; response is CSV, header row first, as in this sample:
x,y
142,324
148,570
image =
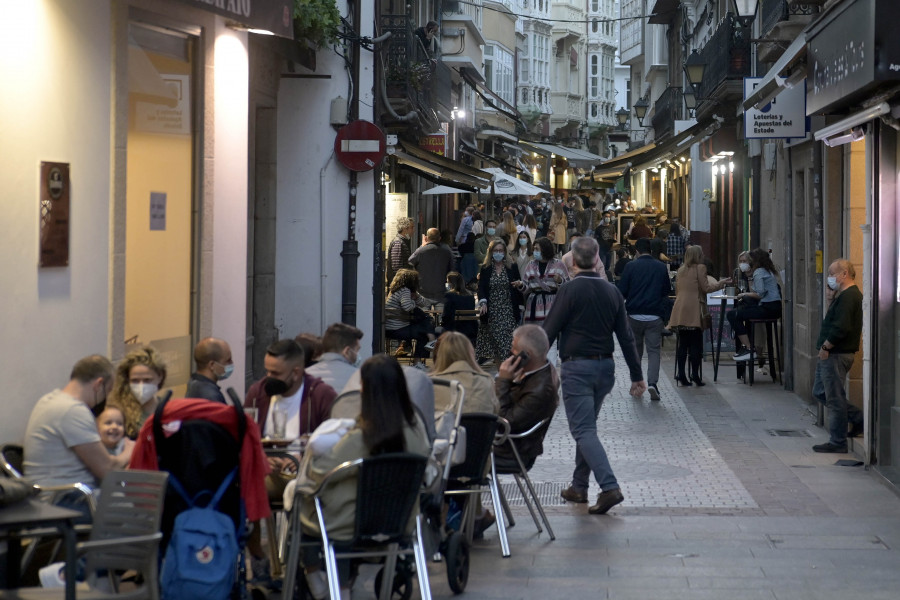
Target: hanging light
x,y
694,67
640,109
745,11
622,115
690,99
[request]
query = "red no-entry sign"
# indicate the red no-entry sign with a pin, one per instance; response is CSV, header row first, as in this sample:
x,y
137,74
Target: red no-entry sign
x,y
360,145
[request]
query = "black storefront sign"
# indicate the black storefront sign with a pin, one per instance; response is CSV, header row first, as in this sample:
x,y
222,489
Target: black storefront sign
x,y
271,15
852,50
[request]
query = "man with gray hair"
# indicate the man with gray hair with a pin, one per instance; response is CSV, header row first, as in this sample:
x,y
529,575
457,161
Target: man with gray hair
x,y
586,314
400,248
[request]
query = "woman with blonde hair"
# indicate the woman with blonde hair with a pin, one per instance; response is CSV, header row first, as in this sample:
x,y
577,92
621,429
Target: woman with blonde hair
x,y
689,312
558,223
507,230
454,358
139,377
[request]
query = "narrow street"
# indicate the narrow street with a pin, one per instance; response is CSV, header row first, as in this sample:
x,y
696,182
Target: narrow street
x,y
724,498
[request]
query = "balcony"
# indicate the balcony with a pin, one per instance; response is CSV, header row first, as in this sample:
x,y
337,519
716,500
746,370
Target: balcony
x,y
727,58
781,21
568,17
567,107
412,80
669,107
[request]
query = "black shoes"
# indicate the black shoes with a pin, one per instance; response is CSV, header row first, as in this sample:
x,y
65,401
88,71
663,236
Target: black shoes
x,y
482,523
570,494
682,380
856,430
830,448
654,392
606,500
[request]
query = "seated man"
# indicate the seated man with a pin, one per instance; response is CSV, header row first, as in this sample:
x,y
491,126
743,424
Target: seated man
x,y
62,444
214,363
340,357
526,387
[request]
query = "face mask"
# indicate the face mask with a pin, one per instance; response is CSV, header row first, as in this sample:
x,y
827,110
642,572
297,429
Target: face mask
x,y
144,391
537,255
523,242
744,267
498,256
832,282
491,231
448,287
275,387
226,373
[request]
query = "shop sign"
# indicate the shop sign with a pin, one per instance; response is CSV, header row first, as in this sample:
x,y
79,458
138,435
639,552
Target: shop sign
x,y
783,117
435,143
268,15
170,115
853,53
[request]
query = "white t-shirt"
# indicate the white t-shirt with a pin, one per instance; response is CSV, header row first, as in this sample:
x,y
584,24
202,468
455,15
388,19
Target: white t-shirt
x,y
290,405
58,422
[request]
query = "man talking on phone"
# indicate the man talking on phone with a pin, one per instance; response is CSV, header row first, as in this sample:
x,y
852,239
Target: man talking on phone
x,y
526,388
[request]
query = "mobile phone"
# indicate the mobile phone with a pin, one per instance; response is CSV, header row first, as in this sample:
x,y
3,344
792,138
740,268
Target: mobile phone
x,y
523,357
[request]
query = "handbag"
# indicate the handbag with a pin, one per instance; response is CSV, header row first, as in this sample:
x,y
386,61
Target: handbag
x,y
15,490
705,317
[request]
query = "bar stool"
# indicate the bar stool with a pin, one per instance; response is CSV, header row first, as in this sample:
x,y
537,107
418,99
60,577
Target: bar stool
x,y
773,337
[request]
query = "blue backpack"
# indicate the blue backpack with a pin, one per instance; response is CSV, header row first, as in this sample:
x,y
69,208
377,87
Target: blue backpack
x,y
201,560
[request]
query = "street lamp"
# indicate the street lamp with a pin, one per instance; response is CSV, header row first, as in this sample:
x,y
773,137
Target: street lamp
x,y
622,115
745,11
694,68
690,99
640,109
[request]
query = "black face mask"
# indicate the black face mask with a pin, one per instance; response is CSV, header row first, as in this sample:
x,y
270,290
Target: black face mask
x,y
275,387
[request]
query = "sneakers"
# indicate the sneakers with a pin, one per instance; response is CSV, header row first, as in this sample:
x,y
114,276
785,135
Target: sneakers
x,y
830,448
606,500
744,356
430,345
261,572
420,366
570,494
654,392
317,584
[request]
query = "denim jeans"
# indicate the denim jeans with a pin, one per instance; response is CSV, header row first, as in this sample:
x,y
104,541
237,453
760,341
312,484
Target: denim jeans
x,y
828,390
651,332
585,383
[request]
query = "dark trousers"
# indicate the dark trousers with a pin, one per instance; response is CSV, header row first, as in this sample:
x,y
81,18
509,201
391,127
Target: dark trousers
x,y
417,330
738,318
690,343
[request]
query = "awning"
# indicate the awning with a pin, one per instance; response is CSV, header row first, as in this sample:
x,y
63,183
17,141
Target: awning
x,y
663,12
491,98
273,16
624,159
440,169
773,83
578,158
608,174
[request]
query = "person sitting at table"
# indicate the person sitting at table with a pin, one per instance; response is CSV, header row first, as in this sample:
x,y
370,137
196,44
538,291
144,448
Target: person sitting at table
x,y
404,314
458,297
765,296
387,423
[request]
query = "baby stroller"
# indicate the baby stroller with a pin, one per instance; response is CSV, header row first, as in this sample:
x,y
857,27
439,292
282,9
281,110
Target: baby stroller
x,y
449,450
201,443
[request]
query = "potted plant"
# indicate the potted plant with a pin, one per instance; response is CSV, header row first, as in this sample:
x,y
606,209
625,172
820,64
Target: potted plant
x,y
317,21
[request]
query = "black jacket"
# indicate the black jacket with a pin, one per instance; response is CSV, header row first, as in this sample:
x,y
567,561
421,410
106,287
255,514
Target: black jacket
x,y
484,288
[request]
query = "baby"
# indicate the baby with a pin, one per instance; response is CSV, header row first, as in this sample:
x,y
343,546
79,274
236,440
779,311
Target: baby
x,y
111,426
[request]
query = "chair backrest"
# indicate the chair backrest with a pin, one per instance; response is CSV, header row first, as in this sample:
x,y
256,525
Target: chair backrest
x,y
387,490
131,504
468,314
480,431
11,460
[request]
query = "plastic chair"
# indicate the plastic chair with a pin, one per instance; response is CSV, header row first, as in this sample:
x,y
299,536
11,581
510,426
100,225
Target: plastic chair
x,y
387,491
521,474
470,477
125,537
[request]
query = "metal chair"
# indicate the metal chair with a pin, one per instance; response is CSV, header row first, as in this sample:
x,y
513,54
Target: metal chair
x,y
773,338
387,491
521,474
125,537
471,477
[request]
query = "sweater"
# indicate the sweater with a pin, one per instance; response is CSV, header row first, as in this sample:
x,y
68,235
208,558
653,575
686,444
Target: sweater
x,y
645,286
842,325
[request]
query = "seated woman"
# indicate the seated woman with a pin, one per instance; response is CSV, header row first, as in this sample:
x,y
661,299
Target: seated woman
x,y
387,423
454,358
767,296
458,298
404,317
139,377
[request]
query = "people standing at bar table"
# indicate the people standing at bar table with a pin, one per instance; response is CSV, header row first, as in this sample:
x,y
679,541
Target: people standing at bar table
x,y
838,343
762,301
586,313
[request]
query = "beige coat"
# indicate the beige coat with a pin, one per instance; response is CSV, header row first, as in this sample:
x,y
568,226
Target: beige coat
x,y
479,387
691,288
339,498
558,227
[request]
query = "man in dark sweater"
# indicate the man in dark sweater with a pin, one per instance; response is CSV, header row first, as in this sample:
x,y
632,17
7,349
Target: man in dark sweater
x,y
838,343
586,313
645,286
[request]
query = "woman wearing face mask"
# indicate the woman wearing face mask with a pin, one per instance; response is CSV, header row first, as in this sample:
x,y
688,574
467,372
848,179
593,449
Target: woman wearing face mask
x,y
457,298
522,252
499,297
542,278
766,293
139,378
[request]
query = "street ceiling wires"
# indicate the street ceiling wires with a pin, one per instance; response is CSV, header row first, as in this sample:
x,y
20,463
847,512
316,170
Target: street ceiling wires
x,y
526,16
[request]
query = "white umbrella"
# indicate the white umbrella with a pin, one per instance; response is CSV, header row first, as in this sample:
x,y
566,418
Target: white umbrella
x,y
444,189
507,184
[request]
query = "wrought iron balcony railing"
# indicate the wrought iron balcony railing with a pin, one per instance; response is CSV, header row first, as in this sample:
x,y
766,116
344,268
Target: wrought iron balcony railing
x,y
727,56
775,11
669,108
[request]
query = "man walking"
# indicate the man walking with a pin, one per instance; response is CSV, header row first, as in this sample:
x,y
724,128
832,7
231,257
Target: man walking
x,y
400,249
433,261
586,313
838,342
645,286
465,225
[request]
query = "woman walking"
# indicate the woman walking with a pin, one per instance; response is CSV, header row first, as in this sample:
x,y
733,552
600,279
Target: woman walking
x,y
499,296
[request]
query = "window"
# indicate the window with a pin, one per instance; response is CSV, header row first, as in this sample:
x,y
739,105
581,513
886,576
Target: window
x,y
498,71
595,5
594,78
594,112
595,26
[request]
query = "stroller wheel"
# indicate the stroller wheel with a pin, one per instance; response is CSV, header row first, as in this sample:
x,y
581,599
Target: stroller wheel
x,y
403,582
457,555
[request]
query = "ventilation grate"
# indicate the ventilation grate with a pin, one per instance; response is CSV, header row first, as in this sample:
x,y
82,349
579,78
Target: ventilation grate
x,y
788,433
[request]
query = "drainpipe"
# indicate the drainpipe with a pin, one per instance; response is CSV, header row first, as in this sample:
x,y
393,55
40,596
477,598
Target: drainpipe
x,y
350,249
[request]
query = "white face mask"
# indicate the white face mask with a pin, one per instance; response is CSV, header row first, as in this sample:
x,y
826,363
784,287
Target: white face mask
x,y
744,267
144,392
833,283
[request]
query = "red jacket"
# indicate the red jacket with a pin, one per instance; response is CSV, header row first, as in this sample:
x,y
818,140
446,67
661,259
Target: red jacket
x,y
254,466
315,405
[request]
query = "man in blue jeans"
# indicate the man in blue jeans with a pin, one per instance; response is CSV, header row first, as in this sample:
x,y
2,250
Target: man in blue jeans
x,y
586,313
838,342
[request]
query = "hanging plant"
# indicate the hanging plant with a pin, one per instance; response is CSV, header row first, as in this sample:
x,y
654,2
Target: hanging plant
x,y
317,21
